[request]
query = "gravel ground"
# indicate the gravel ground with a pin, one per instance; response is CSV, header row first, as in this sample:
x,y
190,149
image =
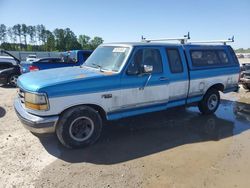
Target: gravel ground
x,y
177,148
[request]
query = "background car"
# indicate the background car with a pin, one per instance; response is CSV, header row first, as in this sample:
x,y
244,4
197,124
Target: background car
x,y
9,69
245,75
31,57
67,59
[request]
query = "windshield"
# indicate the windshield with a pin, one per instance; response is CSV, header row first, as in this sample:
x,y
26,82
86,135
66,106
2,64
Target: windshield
x,y
108,58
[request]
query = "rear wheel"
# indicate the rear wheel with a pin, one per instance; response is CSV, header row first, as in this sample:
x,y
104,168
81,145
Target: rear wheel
x,y
210,102
79,127
13,80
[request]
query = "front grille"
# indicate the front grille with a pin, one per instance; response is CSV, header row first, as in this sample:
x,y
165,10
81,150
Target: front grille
x,y
21,95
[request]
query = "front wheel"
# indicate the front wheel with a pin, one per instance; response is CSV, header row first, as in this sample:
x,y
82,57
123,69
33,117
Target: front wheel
x,y
79,127
210,102
13,80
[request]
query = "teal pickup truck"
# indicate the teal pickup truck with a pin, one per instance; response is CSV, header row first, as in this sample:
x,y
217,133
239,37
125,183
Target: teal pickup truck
x,y
120,80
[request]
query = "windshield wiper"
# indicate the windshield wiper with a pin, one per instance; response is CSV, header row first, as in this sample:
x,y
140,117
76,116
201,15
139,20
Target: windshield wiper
x,y
97,66
101,69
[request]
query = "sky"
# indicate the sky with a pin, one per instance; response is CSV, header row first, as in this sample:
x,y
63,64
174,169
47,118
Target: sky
x,y
128,20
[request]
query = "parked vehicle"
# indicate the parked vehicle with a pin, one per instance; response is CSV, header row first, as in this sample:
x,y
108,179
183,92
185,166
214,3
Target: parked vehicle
x,y
9,69
67,59
122,80
31,57
245,76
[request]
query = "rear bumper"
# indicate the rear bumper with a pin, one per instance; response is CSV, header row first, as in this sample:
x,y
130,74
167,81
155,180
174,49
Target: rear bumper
x,y
35,123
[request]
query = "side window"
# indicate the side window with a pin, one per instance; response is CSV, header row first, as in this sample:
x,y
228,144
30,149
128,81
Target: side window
x,y
235,59
223,57
153,57
134,67
174,60
204,57
146,56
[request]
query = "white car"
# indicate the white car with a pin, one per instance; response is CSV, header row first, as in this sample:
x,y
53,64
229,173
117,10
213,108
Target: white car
x,y
31,58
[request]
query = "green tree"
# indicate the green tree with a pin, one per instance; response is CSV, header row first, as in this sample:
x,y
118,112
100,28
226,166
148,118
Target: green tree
x,y
84,40
11,35
71,40
50,41
17,31
40,34
60,42
38,38
95,42
3,33
24,31
31,30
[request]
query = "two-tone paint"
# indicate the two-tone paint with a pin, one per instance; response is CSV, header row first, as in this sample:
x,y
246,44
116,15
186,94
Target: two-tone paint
x,y
119,95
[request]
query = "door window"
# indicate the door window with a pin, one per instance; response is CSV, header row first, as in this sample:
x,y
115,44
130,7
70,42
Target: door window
x,y
147,56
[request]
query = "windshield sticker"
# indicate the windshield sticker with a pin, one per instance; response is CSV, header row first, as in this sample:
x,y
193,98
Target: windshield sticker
x,y
119,50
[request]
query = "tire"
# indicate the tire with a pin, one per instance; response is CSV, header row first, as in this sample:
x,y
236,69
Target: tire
x,y
79,127
246,86
13,80
210,102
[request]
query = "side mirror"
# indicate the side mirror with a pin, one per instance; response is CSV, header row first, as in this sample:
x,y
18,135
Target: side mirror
x,y
148,69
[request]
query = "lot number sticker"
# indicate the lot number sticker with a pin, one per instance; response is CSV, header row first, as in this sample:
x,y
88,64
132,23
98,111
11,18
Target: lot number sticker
x,y
119,50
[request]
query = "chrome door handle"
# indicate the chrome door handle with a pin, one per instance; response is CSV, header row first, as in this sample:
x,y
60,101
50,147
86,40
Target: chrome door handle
x,y
163,78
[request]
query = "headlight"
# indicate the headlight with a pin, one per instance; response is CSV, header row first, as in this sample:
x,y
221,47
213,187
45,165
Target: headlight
x,y
36,101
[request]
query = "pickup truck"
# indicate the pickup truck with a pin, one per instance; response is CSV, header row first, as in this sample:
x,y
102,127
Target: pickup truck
x,y
67,59
120,80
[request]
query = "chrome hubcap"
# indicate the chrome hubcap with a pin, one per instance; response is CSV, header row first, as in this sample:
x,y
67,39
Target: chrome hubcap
x,y
81,128
212,102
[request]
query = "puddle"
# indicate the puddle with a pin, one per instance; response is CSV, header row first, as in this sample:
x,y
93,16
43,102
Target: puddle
x,y
140,136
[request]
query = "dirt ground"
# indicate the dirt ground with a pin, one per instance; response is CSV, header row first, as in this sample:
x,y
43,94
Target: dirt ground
x,y
175,148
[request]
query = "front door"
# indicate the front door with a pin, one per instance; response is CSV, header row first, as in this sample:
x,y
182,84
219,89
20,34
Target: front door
x,y
144,89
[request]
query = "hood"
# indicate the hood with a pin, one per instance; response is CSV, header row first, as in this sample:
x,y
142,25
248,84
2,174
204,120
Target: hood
x,y
35,81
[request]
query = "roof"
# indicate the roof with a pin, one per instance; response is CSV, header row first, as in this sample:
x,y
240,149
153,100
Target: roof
x,y
6,57
133,44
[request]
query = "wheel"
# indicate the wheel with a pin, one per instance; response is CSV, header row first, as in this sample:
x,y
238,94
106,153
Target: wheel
x,y
13,80
79,127
210,102
246,86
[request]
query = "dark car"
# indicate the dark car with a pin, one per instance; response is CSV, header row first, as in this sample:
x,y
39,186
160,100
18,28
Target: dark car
x,y
9,69
67,59
245,76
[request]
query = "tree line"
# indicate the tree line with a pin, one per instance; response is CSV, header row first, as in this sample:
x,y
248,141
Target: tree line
x,y
242,50
38,38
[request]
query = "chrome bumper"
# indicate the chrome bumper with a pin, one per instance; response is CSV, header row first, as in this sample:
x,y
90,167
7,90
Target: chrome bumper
x,y
35,123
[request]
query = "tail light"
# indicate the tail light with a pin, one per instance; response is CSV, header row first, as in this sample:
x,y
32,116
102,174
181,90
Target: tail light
x,y
33,68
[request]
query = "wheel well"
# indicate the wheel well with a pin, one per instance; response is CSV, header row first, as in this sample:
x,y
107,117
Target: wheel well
x,y
219,87
95,107
98,109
